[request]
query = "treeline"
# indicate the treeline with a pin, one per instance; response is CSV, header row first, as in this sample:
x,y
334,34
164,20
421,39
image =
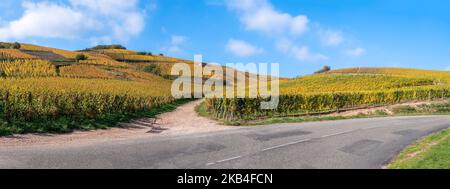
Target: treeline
x,y
103,47
14,45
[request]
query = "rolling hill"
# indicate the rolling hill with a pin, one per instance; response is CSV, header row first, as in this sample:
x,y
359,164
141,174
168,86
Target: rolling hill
x,y
46,89
341,89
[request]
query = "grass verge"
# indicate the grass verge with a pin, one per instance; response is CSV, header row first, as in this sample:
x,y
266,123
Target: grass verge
x,y
432,152
67,125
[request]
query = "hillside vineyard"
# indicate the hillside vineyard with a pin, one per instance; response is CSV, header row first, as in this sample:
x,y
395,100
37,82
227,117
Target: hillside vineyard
x,y
48,89
341,89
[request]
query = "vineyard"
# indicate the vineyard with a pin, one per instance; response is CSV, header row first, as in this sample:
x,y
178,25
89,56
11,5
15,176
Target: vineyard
x,y
45,89
64,53
27,68
342,82
14,54
338,90
50,97
85,71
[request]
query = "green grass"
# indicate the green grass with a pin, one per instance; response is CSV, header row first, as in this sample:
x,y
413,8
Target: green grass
x,y
202,110
432,152
67,125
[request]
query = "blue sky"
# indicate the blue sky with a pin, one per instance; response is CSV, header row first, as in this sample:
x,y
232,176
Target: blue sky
x,y
301,35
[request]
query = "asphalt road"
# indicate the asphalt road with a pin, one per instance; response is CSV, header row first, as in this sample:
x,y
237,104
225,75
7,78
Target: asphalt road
x,y
360,143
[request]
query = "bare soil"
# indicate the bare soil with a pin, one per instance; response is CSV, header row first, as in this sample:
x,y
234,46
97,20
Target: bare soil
x,y
184,120
385,109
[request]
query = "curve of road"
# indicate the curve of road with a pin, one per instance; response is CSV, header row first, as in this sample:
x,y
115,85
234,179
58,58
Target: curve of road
x,y
360,143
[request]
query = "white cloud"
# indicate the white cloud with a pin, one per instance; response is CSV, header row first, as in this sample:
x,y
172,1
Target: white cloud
x,y
39,20
246,5
175,50
178,39
174,46
241,48
106,7
260,16
356,52
284,45
100,20
301,53
331,38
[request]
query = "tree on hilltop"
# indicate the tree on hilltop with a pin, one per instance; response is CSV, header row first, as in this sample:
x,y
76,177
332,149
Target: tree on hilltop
x,y
323,70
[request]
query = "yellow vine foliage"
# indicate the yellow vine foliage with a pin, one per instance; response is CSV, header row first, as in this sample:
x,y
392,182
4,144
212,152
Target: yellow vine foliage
x,y
84,71
33,98
105,62
27,68
64,53
15,54
325,83
116,51
340,89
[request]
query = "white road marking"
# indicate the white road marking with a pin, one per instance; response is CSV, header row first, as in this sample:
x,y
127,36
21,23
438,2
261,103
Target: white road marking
x,y
287,144
336,134
292,143
224,160
229,159
369,128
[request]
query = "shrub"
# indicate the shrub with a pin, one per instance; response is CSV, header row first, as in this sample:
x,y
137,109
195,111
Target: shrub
x,y
323,70
80,57
102,47
145,53
16,45
152,68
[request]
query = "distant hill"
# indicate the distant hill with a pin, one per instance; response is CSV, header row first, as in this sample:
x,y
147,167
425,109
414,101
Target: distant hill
x,y
365,79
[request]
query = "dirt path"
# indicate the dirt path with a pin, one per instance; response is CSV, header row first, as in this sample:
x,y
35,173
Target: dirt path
x,y
385,109
184,120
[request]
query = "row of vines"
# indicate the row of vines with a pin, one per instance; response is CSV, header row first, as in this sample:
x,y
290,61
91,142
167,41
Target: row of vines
x,y
50,98
247,109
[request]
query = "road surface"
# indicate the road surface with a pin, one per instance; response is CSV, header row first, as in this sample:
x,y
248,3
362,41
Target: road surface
x,y
360,144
